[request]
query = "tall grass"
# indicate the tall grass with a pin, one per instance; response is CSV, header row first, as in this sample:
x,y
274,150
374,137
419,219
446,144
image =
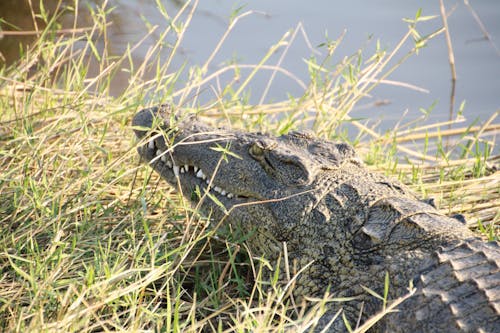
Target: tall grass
x,y
91,240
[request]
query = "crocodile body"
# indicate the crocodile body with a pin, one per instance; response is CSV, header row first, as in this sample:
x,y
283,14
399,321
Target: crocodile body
x,y
344,226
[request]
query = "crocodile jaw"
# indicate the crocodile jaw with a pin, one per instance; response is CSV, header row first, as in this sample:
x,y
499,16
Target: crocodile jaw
x,y
191,176
186,155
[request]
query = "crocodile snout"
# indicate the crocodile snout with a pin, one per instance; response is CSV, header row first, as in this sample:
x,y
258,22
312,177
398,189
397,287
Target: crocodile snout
x,y
147,119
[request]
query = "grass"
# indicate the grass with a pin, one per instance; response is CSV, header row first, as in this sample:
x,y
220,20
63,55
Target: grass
x,y
91,240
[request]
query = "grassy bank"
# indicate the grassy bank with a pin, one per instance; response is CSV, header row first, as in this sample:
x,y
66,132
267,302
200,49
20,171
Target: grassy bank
x,y
91,240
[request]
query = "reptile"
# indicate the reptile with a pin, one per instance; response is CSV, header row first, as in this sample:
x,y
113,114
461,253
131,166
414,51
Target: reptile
x,y
345,229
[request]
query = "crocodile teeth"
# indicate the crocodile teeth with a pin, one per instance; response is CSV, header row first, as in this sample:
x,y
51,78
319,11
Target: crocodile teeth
x,y
151,144
217,189
176,170
200,174
185,168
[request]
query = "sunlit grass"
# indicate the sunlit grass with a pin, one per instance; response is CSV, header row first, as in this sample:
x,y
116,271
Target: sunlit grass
x,y
91,240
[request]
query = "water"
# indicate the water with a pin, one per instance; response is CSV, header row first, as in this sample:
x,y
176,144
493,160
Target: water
x,y
477,62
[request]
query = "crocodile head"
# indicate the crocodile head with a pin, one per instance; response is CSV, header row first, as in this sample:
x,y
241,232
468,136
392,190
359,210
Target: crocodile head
x,y
249,179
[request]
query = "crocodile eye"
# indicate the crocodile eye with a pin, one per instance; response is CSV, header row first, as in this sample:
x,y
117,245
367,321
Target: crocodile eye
x,y
256,151
259,154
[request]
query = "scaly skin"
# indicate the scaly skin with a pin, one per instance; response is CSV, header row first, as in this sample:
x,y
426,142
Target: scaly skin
x,y
351,226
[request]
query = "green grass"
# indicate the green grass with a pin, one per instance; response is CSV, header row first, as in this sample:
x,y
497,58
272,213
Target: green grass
x,y
91,240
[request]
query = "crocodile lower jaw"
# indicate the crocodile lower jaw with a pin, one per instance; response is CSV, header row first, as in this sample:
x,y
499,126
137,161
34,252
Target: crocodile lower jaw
x,y
161,158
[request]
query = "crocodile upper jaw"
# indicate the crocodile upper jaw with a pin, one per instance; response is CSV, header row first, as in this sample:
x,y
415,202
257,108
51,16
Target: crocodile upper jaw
x,y
187,173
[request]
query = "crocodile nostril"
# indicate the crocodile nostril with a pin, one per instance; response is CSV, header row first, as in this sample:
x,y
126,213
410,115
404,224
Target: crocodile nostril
x,y
150,118
143,121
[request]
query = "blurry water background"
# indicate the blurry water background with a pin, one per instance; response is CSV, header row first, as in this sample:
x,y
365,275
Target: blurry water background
x,y
362,22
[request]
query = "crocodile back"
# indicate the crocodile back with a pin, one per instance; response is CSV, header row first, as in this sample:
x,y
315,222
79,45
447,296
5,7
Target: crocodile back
x,y
460,293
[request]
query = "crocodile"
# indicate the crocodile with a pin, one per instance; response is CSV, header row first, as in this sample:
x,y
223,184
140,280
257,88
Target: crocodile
x,y
344,229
